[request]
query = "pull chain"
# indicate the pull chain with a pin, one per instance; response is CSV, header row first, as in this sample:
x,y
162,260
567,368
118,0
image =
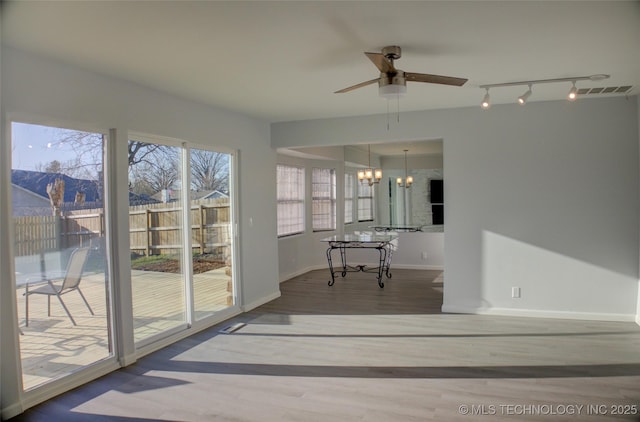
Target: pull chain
x,y
387,115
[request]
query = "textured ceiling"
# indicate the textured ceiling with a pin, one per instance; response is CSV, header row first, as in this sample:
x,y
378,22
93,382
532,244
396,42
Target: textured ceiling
x,y
282,61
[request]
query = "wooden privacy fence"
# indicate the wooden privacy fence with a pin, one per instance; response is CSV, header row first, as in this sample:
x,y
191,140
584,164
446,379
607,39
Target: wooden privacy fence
x,y
154,229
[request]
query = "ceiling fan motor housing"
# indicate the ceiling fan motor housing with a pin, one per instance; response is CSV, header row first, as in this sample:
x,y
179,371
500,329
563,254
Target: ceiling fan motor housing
x,y
397,78
392,52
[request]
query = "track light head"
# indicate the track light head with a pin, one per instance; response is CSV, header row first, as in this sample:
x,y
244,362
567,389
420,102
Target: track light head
x,y
486,101
573,93
523,98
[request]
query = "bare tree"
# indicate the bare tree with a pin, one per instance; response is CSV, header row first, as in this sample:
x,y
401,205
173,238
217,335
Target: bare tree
x,y
52,167
209,170
159,170
88,148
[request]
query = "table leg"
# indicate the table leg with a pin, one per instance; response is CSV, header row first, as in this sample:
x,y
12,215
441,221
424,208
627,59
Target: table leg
x,y
330,261
388,260
343,258
381,264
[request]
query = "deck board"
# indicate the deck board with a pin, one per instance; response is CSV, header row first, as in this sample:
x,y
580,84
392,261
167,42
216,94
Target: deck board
x,y
53,346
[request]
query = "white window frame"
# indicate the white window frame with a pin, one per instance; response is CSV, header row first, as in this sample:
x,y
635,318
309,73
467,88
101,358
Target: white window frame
x,y
323,193
290,196
366,194
349,187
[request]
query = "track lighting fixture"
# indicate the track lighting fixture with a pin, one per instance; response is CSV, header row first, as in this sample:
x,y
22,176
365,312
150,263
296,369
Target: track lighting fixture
x,y
572,95
523,98
573,92
486,101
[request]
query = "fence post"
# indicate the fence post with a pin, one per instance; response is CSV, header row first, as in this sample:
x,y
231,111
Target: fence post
x,y
147,231
201,211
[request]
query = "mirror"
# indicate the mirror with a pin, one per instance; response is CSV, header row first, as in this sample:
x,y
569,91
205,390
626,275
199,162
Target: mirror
x,y
401,206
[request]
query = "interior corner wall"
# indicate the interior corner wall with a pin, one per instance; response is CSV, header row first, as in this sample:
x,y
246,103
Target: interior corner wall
x,y
542,197
300,253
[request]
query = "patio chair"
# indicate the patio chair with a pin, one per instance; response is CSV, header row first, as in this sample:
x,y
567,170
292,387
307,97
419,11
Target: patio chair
x,y
70,282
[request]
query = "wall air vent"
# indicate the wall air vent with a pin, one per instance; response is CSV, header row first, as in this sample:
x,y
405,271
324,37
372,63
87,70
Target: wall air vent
x,y
605,90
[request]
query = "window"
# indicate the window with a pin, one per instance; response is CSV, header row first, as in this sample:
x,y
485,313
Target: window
x,y
349,179
290,197
59,238
365,202
323,188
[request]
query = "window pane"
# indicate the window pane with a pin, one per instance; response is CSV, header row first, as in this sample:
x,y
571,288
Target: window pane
x,y
57,183
290,199
156,238
365,202
212,241
323,185
348,197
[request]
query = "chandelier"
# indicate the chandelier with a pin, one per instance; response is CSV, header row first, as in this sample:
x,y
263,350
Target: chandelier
x,y
408,180
370,174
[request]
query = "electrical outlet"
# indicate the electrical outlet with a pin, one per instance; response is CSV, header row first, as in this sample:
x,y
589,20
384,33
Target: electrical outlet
x,y
424,256
515,292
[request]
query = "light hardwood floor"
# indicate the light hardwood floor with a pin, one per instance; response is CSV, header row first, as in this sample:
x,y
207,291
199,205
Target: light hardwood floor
x,y
355,352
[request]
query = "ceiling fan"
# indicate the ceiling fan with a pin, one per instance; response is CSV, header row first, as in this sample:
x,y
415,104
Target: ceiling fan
x,y
392,82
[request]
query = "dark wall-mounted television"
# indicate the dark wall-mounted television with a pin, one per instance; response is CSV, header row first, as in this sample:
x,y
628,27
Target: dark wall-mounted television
x,y
436,191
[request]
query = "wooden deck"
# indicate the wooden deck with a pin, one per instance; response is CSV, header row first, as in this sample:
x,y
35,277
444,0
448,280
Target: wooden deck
x,y
53,346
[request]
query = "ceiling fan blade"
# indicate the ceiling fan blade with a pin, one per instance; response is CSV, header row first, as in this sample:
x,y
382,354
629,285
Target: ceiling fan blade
x,y
381,62
434,79
360,85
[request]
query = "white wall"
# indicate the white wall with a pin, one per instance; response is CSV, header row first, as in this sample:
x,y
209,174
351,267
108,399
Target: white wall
x,y
543,197
42,91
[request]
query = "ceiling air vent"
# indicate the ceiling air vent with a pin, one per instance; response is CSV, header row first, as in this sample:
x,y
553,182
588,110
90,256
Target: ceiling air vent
x,y
607,90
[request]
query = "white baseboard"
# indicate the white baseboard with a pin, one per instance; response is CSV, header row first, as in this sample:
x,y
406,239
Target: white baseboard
x,y
261,301
287,277
536,313
638,319
10,411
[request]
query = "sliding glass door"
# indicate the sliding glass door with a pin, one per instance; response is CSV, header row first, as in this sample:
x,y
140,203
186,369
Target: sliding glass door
x,y
211,231
180,235
156,238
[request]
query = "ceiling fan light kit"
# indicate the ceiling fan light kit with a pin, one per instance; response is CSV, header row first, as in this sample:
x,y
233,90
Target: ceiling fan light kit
x,y
571,96
392,82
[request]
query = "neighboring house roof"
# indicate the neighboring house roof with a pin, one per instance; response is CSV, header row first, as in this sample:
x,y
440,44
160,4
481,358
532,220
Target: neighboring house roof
x,y
174,195
215,194
141,199
37,181
26,195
